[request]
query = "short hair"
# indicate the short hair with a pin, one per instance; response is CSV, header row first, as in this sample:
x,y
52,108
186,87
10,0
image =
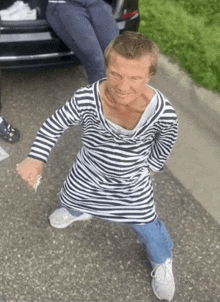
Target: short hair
x,y
133,45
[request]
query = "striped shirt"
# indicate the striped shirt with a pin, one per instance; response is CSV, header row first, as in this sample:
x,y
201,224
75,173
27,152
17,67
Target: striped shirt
x,y
110,175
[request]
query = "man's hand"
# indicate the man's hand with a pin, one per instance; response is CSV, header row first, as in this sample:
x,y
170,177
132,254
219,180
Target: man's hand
x,y
30,170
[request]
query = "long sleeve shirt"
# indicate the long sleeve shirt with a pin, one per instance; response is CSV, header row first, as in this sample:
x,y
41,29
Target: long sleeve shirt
x,y
110,175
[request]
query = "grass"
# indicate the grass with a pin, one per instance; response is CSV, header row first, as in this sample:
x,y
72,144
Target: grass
x,y
189,33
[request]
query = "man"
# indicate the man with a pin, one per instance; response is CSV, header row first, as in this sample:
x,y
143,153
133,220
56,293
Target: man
x,y
128,130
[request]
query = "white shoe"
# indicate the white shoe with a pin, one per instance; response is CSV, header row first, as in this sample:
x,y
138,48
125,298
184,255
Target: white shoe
x,y
17,6
163,281
26,14
61,218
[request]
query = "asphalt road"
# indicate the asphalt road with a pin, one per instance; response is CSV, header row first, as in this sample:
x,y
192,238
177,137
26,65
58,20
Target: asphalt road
x,y
94,260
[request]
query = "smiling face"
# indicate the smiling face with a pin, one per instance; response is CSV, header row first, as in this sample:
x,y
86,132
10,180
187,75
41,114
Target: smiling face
x,y
127,78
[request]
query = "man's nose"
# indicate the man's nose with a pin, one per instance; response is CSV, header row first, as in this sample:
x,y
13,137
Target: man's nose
x,y
123,85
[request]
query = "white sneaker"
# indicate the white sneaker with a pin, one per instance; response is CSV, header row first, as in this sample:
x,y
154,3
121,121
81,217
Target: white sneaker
x,y
61,218
17,6
163,281
26,14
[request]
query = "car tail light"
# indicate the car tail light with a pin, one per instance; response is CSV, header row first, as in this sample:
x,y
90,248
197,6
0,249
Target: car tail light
x,y
131,14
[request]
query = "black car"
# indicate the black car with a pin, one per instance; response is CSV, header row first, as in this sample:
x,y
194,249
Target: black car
x,y
28,43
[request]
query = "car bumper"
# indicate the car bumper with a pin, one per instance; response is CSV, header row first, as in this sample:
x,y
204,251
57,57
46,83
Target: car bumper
x,y
33,46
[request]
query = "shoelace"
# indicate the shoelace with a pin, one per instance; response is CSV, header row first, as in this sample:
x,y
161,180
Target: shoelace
x,y
166,266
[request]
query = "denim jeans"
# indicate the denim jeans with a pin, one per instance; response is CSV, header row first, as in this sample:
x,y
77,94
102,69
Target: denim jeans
x,y
154,235
157,242
86,27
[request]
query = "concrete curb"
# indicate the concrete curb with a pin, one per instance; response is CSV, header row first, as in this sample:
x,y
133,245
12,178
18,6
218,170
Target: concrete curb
x,y
203,104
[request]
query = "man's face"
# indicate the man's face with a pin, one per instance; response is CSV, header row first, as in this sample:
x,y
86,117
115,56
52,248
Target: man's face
x,y
126,78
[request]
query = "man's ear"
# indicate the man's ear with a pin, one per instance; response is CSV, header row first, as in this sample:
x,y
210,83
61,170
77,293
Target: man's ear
x,y
149,77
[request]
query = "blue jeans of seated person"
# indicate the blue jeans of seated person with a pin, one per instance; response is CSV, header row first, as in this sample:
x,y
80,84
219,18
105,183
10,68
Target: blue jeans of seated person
x,y
86,27
157,242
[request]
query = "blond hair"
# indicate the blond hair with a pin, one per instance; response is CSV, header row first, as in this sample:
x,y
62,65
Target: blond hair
x,y
133,45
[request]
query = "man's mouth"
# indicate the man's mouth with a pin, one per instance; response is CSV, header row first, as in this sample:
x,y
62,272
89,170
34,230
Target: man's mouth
x,y
120,94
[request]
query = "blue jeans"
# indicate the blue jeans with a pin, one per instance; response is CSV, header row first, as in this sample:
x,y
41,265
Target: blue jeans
x,y
86,27
157,242
154,235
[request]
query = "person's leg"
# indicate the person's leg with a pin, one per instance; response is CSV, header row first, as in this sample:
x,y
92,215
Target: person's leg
x,y
71,23
103,22
158,246
157,242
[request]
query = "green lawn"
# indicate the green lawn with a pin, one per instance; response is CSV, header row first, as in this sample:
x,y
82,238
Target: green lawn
x,y
188,31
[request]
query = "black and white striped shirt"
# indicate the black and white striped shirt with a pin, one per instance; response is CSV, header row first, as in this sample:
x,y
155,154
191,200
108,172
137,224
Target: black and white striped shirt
x,y
110,176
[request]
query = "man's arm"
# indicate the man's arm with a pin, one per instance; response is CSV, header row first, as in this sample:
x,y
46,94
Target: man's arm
x,y
162,147
51,130
32,167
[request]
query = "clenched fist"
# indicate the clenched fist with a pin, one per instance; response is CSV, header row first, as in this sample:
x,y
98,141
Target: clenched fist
x,y
30,171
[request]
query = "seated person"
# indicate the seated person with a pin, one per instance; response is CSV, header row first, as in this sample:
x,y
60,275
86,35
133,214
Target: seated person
x,y
86,27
